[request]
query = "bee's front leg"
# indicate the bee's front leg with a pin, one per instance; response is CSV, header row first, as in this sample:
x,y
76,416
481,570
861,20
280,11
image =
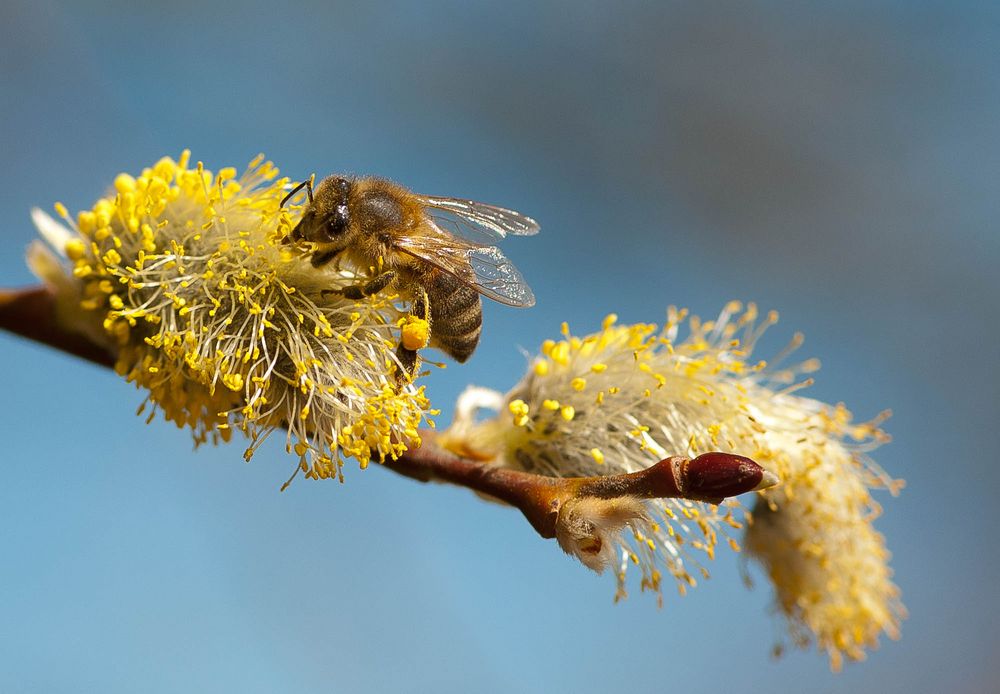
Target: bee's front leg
x,y
320,259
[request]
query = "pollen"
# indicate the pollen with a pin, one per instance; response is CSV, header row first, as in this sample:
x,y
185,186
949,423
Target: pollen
x,y
416,333
75,249
519,409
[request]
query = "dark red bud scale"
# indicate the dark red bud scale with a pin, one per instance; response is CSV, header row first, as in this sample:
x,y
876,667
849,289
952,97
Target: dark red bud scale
x,y
714,476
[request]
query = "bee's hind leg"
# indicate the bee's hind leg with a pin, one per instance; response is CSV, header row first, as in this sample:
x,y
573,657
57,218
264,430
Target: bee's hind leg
x,y
421,306
414,335
409,361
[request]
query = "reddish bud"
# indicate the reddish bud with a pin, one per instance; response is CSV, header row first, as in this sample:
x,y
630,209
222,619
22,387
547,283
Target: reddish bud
x,y
715,476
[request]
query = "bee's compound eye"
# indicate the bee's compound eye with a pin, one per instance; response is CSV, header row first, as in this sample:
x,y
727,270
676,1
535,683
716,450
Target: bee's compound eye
x,y
336,223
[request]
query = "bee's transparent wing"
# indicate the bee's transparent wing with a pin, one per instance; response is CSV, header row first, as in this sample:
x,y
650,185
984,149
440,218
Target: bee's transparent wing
x,y
484,268
497,278
477,220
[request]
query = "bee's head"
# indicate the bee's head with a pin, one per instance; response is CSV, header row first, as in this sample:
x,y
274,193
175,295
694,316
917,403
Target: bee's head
x,y
327,217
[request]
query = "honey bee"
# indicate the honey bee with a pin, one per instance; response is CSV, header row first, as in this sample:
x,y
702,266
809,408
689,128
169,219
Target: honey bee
x,y
436,252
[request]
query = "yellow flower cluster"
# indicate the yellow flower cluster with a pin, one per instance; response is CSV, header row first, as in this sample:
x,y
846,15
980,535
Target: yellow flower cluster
x,y
227,327
814,537
626,397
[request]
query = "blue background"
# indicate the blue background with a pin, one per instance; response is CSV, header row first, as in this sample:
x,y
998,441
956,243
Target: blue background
x,y
838,162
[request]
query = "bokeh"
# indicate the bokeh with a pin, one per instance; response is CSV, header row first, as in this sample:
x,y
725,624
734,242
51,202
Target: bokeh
x,y
837,162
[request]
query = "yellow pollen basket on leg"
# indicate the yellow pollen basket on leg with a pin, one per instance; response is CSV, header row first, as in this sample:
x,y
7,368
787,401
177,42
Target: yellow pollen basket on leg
x,y
416,333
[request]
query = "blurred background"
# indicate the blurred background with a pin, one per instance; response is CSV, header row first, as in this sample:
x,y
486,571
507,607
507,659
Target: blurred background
x,y
837,162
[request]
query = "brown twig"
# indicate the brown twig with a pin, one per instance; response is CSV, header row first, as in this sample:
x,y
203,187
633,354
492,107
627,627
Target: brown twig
x,y
31,313
709,477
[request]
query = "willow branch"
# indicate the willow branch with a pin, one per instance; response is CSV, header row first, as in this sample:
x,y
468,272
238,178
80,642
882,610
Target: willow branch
x,y
31,313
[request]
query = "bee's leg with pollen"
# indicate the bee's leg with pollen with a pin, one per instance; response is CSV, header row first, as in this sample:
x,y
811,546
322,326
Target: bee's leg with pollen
x,y
373,286
415,334
409,361
421,306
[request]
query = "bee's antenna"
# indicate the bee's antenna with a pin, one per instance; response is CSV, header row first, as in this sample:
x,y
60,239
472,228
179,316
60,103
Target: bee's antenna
x,y
307,184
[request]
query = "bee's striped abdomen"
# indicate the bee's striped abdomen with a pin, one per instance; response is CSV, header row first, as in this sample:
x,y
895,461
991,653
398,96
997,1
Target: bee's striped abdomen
x,y
456,315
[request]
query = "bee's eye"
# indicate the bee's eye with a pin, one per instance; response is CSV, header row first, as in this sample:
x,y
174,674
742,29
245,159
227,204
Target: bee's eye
x,y
336,223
